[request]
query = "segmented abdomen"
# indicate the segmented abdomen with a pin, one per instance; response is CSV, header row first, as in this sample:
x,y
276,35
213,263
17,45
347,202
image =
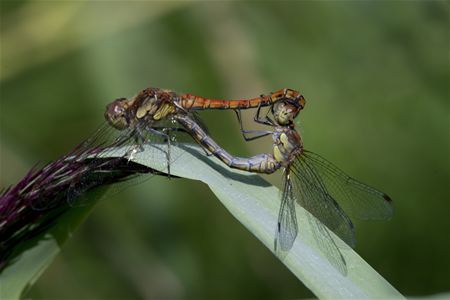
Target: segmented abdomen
x,y
262,163
192,102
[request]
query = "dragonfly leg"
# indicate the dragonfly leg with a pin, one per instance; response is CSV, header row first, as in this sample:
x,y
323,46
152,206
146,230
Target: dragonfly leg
x,y
264,120
256,133
162,130
138,146
166,136
179,129
139,139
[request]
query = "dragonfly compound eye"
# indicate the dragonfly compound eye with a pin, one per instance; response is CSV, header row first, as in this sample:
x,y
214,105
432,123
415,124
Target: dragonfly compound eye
x,y
116,114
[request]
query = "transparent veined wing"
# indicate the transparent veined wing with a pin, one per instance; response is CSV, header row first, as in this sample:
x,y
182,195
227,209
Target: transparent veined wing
x,y
287,227
96,158
324,212
356,198
327,245
311,193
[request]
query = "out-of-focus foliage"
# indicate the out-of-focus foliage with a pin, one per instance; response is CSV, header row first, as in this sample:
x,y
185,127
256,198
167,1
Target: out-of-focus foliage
x,y
375,76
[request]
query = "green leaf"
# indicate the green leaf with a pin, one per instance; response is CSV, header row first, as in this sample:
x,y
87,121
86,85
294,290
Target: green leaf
x,y
251,200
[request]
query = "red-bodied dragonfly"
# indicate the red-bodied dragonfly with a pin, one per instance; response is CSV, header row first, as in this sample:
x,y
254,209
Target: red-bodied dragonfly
x,y
147,118
154,113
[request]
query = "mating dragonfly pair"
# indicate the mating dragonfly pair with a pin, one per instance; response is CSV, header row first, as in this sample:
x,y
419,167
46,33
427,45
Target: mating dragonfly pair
x,y
328,194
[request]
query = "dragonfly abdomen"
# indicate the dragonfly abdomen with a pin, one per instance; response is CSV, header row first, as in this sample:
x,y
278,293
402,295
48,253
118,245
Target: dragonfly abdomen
x,y
191,102
262,163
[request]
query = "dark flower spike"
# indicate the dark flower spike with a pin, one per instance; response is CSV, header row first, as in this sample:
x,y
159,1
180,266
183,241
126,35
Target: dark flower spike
x,y
42,195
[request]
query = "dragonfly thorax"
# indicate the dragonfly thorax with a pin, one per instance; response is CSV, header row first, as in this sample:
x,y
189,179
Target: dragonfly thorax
x,y
287,144
154,104
148,106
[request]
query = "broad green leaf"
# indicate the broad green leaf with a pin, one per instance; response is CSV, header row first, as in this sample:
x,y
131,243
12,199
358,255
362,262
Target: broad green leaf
x,y
250,199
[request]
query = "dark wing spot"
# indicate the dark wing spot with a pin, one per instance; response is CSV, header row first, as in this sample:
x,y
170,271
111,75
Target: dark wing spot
x,y
387,198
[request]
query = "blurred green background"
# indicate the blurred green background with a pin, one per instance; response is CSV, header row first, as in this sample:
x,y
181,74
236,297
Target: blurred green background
x,y
376,80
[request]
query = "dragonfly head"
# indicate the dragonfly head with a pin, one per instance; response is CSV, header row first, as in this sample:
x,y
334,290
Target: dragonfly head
x,y
294,97
116,113
285,111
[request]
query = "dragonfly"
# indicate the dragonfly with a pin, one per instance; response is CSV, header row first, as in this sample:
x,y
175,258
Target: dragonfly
x,y
328,194
146,118
156,112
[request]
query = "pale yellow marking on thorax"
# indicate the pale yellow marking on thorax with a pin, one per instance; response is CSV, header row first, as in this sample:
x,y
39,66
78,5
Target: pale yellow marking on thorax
x,y
284,139
144,109
163,111
277,153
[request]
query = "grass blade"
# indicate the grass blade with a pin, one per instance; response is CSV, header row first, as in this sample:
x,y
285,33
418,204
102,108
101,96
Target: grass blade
x,y
250,199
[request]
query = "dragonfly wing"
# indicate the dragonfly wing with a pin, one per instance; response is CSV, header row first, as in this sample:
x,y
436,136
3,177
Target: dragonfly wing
x,y
311,194
157,138
287,227
327,244
356,198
